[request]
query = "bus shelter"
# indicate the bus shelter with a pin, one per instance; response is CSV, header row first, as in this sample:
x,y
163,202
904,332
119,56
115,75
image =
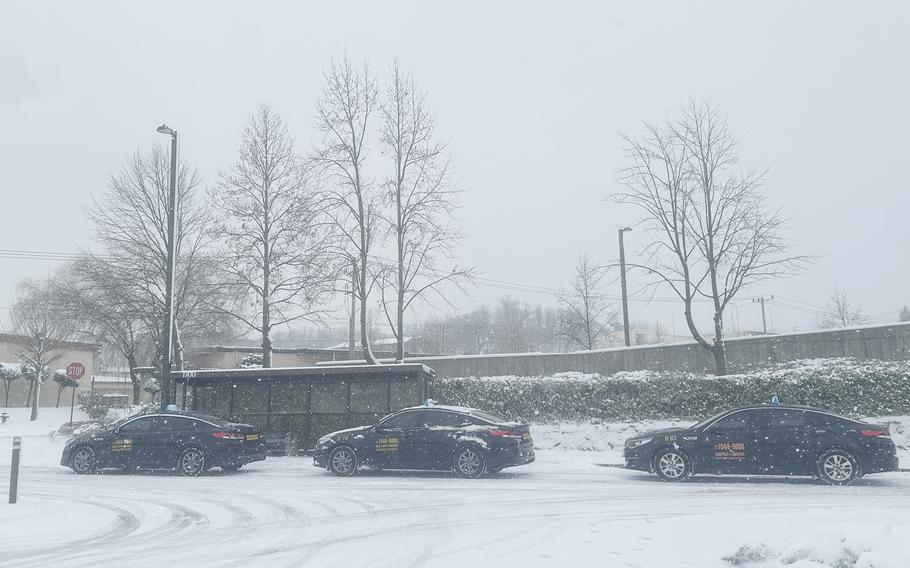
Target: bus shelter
x,y
306,402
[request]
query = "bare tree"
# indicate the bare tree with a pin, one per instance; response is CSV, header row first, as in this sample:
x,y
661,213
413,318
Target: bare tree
x,y
420,197
275,240
841,312
9,373
44,334
713,231
904,315
586,314
130,222
113,312
343,116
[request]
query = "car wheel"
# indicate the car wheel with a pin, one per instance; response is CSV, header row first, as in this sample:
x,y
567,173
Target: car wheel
x,y
672,465
84,460
837,467
469,463
343,461
191,462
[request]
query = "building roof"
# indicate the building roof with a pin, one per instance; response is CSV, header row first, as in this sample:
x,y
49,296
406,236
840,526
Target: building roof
x,y
302,372
75,345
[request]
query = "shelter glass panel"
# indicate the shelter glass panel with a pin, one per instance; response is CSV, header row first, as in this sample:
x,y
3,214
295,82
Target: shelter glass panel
x,y
404,394
289,396
251,397
329,397
370,398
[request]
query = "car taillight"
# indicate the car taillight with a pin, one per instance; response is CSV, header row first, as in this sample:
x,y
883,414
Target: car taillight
x,y
228,435
875,433
505,434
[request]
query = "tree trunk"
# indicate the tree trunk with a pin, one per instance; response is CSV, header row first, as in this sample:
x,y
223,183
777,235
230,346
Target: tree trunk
x,y
59,392
134,378
720,358
364,332
719,348
178,348
34,414
7,385
28,397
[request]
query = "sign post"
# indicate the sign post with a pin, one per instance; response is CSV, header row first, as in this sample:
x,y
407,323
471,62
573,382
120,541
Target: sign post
x,y
75,371
14,470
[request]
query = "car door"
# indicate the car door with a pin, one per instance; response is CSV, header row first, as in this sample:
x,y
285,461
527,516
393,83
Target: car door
x,y
787,447
732,444
392,441
170,435
130,443
434,443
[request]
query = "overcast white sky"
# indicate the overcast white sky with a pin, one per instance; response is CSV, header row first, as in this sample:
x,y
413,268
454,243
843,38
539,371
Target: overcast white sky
x,y
530,95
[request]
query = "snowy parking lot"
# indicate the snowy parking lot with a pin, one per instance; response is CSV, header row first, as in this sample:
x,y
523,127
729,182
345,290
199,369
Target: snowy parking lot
x,y
570,508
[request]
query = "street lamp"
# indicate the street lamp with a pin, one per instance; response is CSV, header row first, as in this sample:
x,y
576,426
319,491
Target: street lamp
x,y
625,298
169,277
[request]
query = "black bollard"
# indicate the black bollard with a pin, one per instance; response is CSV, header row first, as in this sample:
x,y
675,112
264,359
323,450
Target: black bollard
x,y
14,469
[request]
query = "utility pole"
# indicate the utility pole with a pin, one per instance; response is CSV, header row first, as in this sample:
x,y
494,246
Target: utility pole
x,y
625,298
166,338
352,324
761,300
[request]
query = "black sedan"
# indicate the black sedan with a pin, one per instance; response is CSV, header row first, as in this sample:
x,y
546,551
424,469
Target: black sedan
x,y
767,440
186,441
466,441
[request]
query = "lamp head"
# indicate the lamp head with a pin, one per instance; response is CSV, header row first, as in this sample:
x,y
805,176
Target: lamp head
x,y
165,129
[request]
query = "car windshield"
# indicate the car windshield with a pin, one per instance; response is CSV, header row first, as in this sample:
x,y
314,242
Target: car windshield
x,y
488,417
706,421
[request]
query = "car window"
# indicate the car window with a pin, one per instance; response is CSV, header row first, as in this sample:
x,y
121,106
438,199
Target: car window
x,y
137,426
786,418
820,420
742,421
488,417
441,418
413,419
180,424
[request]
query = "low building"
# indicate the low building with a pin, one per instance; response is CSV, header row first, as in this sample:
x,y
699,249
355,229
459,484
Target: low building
x,y
69,353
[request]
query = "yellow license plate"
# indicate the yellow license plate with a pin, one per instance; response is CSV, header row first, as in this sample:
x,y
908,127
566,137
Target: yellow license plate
x,y
252,437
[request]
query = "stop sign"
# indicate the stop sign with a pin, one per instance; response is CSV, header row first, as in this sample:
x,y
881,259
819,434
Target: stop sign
x,y
75,371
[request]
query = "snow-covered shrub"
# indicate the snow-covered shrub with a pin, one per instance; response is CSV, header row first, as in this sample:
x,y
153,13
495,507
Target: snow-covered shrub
x,y
252,361
95,407
846,386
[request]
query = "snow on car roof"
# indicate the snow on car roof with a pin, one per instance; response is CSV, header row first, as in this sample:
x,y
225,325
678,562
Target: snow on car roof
x,y
462,409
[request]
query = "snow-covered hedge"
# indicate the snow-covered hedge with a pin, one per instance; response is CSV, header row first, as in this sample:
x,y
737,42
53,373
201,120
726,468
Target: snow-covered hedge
x,y
842,385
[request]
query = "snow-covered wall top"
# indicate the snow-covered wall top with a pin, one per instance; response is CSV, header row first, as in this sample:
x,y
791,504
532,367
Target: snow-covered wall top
x,y
883,342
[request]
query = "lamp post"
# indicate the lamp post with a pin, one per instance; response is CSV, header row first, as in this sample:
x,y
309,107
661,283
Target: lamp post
x,y
169,276
625,298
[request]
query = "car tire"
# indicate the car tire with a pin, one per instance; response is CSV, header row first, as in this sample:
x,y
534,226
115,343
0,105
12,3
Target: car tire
x,y
837,467
191,462
343,461
84,460
671,464
469,463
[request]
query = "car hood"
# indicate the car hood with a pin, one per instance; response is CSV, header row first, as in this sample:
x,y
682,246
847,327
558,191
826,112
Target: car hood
x,y
661,432
349,431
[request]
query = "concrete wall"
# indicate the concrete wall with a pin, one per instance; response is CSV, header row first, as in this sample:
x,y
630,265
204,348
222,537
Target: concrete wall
x,y
886,342
72,352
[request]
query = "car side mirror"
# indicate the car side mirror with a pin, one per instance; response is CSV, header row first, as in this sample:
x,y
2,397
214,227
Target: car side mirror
x,y
117,431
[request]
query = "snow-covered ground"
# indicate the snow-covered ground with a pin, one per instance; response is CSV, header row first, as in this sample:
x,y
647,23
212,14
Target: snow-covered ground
x,y
570,508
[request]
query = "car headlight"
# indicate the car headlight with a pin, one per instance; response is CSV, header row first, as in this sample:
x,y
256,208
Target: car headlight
x,y
323,441
635,443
